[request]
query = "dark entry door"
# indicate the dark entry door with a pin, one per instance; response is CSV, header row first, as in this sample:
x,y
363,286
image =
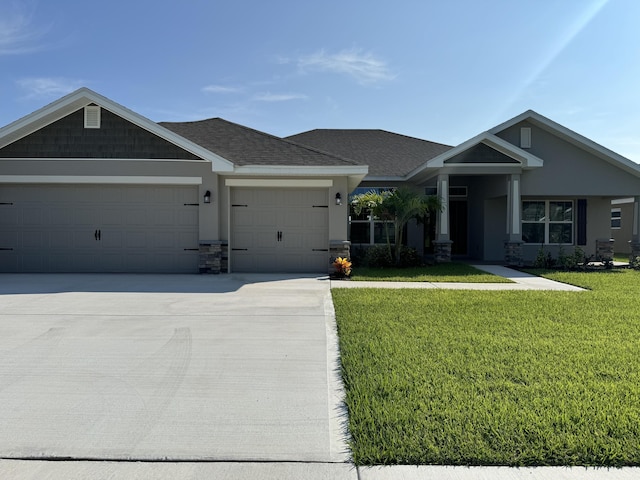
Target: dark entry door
x,y
458,223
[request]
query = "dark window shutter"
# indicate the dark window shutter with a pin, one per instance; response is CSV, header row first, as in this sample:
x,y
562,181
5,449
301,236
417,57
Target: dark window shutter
x,y
582,221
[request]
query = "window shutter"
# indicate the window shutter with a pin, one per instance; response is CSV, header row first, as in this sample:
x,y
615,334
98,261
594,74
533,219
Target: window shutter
x,y
92,116
582,221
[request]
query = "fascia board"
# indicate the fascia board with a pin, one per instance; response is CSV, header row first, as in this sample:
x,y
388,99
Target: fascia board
x,y
297,171
491,140
575,138
84,96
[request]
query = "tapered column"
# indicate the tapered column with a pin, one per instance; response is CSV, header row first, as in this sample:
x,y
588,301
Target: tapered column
x,y
513,244
442,243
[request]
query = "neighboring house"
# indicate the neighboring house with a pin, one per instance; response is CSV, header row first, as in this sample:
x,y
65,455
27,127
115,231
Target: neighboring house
x,y
87,185
622,224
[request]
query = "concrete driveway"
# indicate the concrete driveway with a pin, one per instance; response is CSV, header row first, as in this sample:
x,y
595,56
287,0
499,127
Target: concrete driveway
x,y
169,367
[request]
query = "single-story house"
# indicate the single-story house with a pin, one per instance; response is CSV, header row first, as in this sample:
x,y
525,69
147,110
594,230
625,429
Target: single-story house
x,y
87,185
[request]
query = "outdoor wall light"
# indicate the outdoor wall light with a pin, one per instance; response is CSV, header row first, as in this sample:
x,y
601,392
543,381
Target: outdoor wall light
x,y
207,197
338,199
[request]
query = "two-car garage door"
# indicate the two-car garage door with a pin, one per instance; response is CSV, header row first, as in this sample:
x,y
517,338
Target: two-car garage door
x,y
279,230
98,228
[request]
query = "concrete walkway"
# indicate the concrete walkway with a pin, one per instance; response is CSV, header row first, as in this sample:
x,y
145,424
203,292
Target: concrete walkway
x,y
521,281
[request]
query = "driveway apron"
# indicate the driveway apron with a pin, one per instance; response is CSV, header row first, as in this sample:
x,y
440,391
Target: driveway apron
x,y
168,367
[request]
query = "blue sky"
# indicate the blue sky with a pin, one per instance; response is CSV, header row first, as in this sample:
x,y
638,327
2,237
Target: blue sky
x,y
439,70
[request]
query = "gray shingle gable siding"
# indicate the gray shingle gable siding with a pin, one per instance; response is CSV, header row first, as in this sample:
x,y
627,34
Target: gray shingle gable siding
x,y
116,138
244,146
386,153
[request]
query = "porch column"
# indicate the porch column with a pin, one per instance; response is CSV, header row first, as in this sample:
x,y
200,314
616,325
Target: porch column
x,y
442,243
513,244
635,232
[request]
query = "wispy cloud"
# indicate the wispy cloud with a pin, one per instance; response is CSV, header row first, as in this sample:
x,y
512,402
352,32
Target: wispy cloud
x,y
278,97
48,87
364,67
18,34
221,89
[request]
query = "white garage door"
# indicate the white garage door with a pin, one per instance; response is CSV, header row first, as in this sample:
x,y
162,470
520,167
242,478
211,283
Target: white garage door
x,y
279,230
98,228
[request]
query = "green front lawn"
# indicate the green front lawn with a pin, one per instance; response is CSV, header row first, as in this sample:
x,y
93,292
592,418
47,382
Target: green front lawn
x,y
494,378
442,272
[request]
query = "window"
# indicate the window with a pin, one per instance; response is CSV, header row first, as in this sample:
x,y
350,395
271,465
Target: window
x,y
547,221
616,218
365,228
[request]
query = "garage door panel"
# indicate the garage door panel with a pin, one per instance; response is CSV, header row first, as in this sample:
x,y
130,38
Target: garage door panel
x,y
8,215
33,215
79,238
186,217
54,229
85,215
300,215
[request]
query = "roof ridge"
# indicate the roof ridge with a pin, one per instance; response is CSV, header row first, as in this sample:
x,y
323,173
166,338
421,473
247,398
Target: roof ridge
x,y
369,130
275,137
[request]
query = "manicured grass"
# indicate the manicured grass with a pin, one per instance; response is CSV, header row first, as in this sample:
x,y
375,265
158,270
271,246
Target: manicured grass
x,y
443,272
494,378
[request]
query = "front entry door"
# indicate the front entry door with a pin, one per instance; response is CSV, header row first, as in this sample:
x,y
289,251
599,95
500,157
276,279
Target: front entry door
x,y
458,222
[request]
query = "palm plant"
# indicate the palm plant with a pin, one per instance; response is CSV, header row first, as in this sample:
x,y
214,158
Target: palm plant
x,y
399,206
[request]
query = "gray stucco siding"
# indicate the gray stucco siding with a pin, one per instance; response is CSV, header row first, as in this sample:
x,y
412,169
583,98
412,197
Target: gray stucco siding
x,y
568,169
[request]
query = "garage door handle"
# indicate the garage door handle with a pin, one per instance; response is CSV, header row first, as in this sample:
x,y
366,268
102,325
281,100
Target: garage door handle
x,y
97,234
279,236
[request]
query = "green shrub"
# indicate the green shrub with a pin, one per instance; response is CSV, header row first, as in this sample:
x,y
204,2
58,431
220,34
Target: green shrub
x,y
378,256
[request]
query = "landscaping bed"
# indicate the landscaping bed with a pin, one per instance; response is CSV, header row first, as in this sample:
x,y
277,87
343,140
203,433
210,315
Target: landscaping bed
x,y
494,378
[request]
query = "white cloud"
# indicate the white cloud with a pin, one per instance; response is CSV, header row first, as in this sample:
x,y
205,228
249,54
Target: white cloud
x,y
278,97
18,35
220,89
363,67
48,87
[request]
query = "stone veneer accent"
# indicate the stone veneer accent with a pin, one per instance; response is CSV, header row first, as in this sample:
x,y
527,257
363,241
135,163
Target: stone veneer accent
x,y
604,249
635,251
442,251
513,254
213,257
338,248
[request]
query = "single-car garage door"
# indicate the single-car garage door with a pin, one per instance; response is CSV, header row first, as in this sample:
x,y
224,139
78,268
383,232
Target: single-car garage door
x,y
279,230
98,228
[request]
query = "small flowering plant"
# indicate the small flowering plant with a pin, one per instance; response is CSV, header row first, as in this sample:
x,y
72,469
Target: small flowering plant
x,y
342,266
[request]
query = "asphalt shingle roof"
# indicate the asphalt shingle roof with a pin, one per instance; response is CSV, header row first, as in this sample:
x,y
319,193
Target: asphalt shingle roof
x,y
386,153
244,146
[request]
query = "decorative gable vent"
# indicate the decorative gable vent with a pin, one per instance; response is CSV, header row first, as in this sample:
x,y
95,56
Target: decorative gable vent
x,y
92,116
525,137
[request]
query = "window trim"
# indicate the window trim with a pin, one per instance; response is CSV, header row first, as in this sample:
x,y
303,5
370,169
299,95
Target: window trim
x,y
547,220
617,217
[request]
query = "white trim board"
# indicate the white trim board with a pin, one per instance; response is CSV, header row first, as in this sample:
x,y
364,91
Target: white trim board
x,y
98,179
278,182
